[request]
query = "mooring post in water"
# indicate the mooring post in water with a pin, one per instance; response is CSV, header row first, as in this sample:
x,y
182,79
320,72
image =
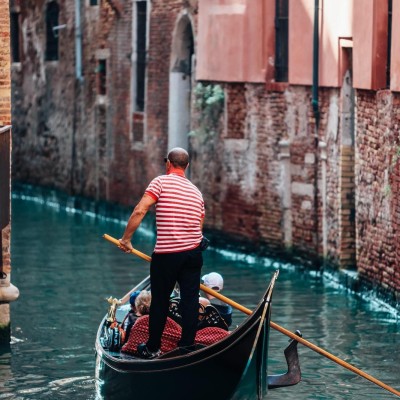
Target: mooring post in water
x,y
8,292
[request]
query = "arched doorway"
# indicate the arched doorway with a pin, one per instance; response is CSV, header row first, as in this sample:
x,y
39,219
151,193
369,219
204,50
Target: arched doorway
x,y
180,83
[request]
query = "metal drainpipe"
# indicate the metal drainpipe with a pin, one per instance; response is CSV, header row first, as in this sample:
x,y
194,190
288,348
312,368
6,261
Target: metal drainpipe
x,y
78,81
316,116
78,41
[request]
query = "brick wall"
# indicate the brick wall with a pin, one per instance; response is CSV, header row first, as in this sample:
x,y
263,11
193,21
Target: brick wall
x,y
377,177
43,106
346,251
239,171
5,63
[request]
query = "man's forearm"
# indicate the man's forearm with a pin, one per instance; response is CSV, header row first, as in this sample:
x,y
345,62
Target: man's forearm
x,y
133,223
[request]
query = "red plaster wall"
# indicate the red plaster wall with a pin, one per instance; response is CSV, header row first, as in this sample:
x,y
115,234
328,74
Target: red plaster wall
x,y
395,51
301,14
231,40
335,21
370,43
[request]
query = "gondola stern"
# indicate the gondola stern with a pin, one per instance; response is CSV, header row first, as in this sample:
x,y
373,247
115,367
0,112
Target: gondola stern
x,y
293,375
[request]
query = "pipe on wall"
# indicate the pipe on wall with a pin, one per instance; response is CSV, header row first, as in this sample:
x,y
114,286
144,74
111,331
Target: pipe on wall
x,y
315,63
315,106
78,41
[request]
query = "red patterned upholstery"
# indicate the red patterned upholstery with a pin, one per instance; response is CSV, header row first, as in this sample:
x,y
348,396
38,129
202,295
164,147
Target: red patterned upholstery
x,y
210,335
140,334
171,335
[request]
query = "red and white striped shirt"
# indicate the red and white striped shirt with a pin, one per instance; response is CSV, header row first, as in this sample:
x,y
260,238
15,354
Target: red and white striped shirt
x,y
179,212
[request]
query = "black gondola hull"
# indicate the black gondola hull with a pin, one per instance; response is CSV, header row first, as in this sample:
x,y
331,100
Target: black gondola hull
x,y
233,368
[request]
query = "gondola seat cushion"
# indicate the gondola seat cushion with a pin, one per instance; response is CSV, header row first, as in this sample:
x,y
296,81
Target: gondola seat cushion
x,y
210,335
171,335
140,334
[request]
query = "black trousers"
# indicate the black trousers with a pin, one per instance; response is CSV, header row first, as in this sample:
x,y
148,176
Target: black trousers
x,y
165,270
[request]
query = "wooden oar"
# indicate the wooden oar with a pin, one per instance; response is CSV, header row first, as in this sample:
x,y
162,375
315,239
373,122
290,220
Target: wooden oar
x,y
277,327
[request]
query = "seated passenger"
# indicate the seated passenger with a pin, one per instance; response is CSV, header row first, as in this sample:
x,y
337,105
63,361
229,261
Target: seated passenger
x,y
204,301
132,316
140,305
214,281
174,311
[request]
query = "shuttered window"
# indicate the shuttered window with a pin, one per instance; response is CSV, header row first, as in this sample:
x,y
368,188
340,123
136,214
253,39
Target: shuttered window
x,y
141,39
281,40
52,12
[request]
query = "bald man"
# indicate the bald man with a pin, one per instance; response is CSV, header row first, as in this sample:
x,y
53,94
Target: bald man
x,y
177,256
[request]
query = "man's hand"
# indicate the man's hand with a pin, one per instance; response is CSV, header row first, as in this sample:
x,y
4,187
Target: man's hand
x,y
125,245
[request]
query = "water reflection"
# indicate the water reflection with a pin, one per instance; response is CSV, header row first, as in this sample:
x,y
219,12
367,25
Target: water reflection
x,y
65,270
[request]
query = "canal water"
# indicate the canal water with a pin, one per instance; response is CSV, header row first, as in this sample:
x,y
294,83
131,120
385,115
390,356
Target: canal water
x,y
65,270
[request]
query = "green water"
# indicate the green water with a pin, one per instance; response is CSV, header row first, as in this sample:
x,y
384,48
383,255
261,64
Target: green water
x,y
64,271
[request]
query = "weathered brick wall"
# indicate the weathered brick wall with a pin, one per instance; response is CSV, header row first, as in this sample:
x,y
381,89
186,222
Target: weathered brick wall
x,y
239,170
43,100
116,177
5,64
377,200
346,248
64,136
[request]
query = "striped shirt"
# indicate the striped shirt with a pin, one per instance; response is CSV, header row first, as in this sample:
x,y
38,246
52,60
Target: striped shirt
x,y
179,212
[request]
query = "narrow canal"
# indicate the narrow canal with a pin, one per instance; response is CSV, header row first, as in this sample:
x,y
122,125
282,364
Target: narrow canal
x,y
65,270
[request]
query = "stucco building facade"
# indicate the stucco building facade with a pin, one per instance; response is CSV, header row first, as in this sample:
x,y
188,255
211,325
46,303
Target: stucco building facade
x,y
290,113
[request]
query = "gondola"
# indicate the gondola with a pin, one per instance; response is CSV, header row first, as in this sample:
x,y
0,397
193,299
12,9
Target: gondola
x,y
232,368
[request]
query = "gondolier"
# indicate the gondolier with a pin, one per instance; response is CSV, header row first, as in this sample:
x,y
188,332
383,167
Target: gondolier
x,y
177,254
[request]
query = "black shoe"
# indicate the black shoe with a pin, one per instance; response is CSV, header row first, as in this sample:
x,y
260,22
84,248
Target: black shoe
x,y
144,352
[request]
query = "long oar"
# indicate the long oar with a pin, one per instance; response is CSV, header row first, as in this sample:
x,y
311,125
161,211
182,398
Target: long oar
x,y
276,327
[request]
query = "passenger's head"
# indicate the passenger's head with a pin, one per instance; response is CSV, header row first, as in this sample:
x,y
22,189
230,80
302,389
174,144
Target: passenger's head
x,y
178,158
133,297
142,302
214,281
204,302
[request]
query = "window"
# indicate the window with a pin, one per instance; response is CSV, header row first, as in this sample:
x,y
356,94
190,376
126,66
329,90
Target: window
x,y
141,40
94,2
52,13
281,40
102,77
389,43
15,37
